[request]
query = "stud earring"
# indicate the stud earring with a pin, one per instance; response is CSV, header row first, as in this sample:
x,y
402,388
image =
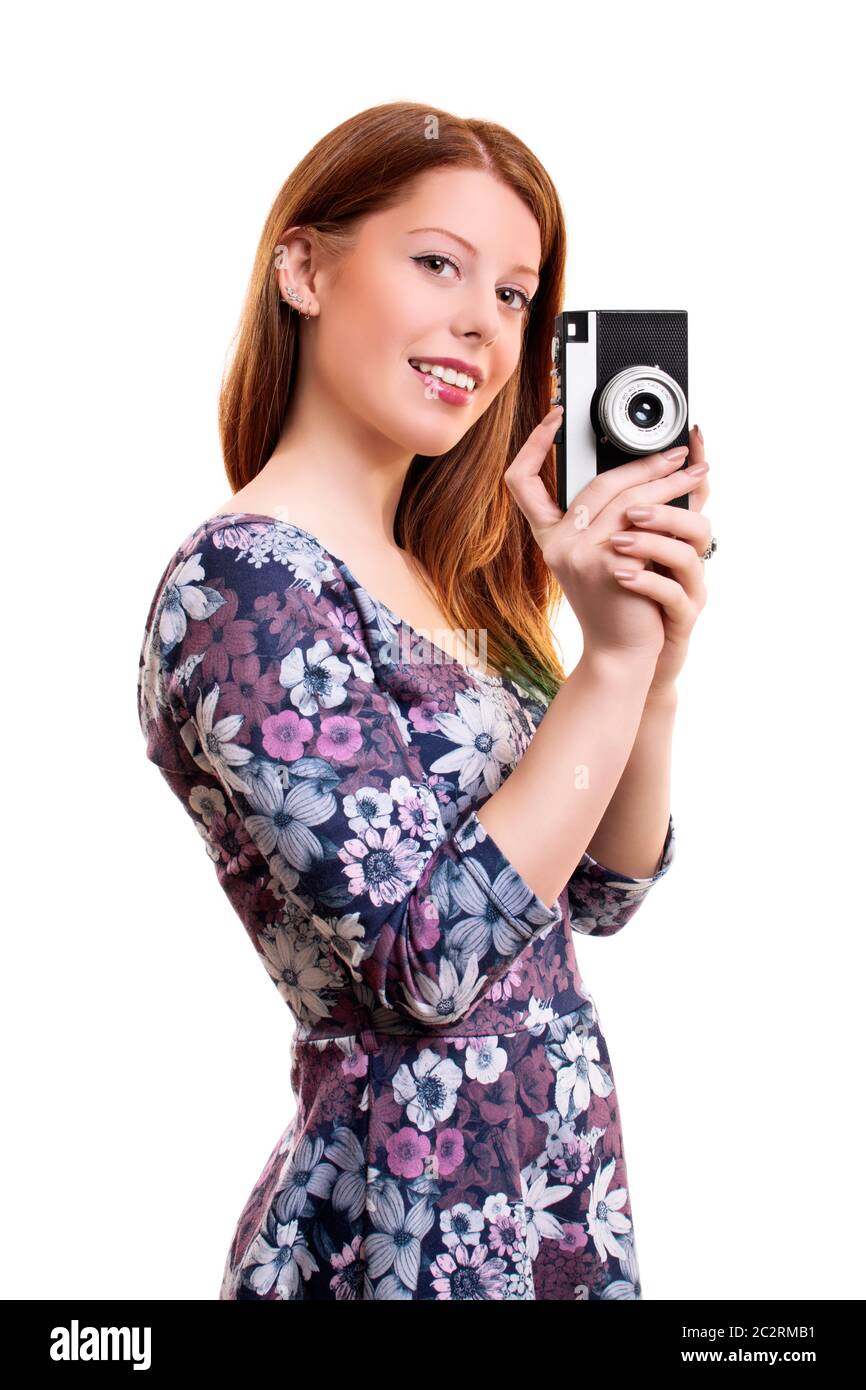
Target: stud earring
x,y
291,294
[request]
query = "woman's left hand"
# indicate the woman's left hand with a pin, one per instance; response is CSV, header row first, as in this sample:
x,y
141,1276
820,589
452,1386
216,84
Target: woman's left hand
x,y
670,542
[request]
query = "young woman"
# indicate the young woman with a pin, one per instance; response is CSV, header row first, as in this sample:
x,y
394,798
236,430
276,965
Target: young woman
x,y
410,826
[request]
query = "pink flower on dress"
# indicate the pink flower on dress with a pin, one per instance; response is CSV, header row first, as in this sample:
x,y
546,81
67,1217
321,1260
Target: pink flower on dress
x,y
356,1065
505,987
407,1150
450,1151
572,1164
284,735
413,813
507,1233
574,1237
340,738
422,715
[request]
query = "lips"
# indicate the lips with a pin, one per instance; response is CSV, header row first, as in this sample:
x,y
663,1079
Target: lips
x,y
443,390
468,368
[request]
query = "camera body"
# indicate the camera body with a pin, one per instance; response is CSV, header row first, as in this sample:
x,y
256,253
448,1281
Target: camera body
x,y
621,377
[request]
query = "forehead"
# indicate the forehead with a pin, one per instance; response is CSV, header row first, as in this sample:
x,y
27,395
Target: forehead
x,y
472,203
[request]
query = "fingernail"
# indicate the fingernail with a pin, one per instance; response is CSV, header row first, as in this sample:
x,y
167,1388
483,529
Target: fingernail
x,y
678,453
698,433
638,513
697,470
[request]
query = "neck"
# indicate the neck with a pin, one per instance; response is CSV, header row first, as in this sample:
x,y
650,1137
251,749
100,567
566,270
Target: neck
x,y
326,456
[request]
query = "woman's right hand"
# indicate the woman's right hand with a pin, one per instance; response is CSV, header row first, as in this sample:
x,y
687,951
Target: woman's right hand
x,y
576,543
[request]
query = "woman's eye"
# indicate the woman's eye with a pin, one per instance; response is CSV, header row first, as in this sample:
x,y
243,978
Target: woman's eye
x,y
446,260
524,298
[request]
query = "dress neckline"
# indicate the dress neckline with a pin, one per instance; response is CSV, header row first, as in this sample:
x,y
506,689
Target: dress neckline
x,y
238,518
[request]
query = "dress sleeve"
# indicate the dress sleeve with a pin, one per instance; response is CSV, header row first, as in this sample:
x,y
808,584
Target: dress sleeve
x,y
601,901
281,702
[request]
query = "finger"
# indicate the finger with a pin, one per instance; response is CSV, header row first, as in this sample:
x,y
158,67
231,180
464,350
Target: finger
x,y
698,497
679,557
668,593
613,517
696,445
683,523
606,487
522,475
697,455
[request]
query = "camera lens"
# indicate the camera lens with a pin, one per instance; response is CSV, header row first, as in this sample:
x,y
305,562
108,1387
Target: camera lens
x,y
641,409
645,410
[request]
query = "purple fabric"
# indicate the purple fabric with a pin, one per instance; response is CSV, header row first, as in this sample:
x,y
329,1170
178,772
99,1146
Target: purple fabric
x,y
457,1131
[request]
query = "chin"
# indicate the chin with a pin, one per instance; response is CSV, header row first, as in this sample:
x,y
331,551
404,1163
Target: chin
x,y
433,442
435,427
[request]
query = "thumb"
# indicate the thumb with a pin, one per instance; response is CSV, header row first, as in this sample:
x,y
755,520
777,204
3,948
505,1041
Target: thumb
x,y
522,475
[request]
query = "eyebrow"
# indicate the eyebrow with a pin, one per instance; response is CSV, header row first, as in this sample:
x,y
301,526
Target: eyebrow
x,y
527,269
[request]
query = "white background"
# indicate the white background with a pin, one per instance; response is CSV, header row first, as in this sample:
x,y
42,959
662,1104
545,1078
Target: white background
x,y
708,158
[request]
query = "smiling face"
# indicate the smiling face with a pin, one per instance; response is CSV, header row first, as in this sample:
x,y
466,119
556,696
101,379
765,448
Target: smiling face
x,y
406,293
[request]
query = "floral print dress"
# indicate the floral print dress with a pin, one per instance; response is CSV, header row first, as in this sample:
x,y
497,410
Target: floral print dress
x,y
457,1131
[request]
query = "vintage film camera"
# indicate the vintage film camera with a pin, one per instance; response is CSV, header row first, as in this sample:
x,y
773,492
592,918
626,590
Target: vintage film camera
x,y
621,377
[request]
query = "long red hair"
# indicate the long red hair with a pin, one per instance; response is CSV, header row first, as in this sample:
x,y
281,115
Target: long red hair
x,y
455,513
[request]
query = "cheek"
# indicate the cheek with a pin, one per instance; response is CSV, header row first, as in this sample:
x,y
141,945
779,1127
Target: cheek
x,y
374,335
499,378
367,370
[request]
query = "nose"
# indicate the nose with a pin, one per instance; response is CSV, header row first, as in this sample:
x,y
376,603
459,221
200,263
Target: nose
x,y
478,318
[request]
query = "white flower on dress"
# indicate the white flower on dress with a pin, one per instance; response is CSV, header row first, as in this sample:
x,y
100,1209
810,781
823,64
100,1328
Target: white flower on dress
x,y
580,1075
383,865
398,716
284,1264
315,679
505,911
220,754
309,565
605,1221
367,807
306,1173
282,820
396,1243
483,738
346,937
295,967
538,1015
447,997
150,684
496,1206
484,1060
461,1225
349,1193
540,1223
428,1088
182,598
207,802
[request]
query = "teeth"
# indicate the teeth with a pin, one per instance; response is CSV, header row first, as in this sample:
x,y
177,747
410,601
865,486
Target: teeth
x,y
447,374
